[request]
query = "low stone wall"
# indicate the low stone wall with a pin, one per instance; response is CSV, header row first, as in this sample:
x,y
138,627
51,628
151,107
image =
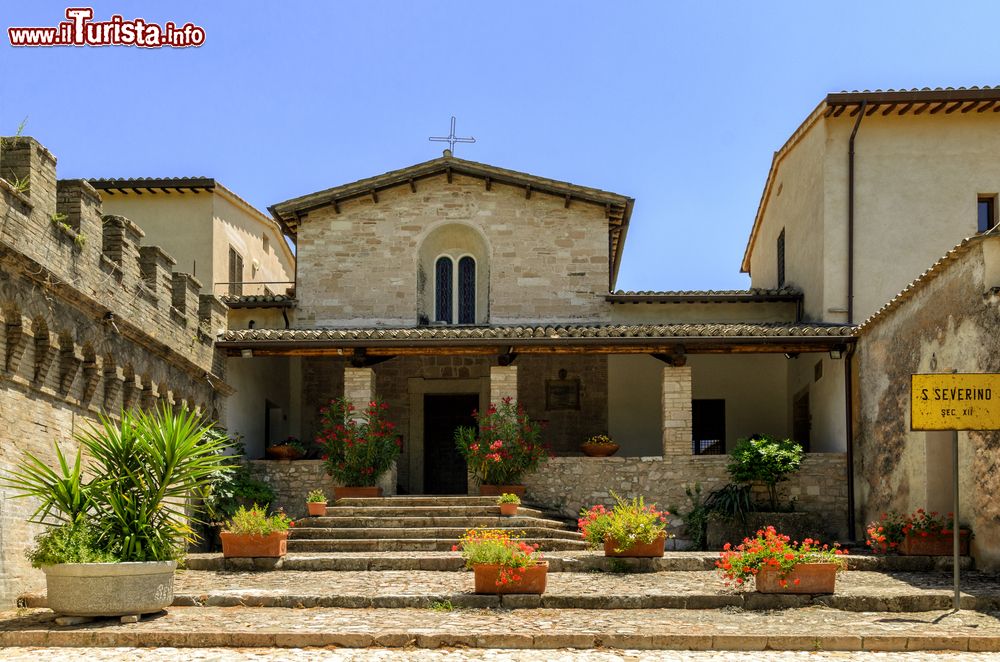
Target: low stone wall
x,y
568,484
292,480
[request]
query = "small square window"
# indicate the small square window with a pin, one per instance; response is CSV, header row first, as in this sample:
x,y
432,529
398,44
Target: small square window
x,y
987,218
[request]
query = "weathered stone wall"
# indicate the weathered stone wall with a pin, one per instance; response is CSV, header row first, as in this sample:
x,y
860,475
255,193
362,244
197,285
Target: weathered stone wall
x,y
90,321
569,484
359,266
565,429
948,323
292,481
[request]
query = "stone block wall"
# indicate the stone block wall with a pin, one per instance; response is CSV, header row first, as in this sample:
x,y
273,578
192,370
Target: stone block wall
x,y
84,329
569,484
292,481
678,428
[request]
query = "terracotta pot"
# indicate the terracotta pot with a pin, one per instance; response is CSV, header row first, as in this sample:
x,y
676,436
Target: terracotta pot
x,y
532,579
252,546
282,453
915,544
599,450
357,492
813,578
641,550
497,490
508,509
316,508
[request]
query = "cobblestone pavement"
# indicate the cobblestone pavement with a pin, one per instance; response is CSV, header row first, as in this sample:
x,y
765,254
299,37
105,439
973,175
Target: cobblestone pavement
x,y
497,655
792,629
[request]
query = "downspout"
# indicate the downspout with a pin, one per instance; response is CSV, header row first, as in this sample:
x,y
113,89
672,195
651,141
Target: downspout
x,y
849,431
850,214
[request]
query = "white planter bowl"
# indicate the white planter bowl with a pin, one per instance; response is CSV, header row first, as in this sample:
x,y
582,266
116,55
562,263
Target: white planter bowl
x,y
109,589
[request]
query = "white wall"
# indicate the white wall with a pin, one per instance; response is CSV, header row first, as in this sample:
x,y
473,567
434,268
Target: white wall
x,y
635,385
826,400
257,380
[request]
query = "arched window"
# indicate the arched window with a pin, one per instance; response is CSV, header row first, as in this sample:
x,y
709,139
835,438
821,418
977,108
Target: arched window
x,y
467,290
443,288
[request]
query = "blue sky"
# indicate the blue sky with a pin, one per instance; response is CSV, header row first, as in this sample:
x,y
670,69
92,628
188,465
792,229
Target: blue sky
x,y
679,105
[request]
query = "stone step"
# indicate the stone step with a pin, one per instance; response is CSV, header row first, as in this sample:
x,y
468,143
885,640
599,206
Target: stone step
x,y
559,561
411,501
425,511
407,544
530,533
857,591
806,630
489,521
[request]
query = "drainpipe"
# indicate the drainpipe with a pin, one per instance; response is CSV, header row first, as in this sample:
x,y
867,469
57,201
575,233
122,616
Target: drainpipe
x,y
849,428
850,214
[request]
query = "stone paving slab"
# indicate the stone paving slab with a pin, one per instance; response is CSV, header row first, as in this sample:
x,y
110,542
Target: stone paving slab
x,y
459,655
856,591
559,561
808,629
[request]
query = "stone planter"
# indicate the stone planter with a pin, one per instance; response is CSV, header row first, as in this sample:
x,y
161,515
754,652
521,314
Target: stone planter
x,y
109,589
812,578
599,450
532,579
316,508
272,545
638,550
508,509
938,544
497,490
357,492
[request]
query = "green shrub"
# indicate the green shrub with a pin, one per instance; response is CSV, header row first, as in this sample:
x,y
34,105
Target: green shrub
x,y
765,459
256,521
69,543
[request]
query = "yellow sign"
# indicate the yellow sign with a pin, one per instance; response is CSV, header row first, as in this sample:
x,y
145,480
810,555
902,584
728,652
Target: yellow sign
x,y
955,402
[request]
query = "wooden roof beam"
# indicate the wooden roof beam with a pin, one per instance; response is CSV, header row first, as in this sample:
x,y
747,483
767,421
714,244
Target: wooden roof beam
x,y
872,108
905,109
891,107
970,106
922,108
840,111
953,107
986,106
937,107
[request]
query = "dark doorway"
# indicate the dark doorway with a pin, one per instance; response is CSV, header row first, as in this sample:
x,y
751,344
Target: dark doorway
x,y
444,467
801,419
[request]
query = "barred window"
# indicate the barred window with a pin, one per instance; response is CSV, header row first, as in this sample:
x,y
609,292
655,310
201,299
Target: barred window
x,y
467,290
443,271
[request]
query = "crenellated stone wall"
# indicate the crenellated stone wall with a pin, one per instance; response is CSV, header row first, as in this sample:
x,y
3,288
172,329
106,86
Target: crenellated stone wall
x,y
90,322
568,484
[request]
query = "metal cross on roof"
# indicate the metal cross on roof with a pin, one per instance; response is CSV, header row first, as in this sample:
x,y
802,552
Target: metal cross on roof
x,y
451,139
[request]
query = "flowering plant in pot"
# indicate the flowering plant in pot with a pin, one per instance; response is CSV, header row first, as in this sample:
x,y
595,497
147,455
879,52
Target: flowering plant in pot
x,y
508,504
506,446
502,562
600,445
358,447
630,528
118,527
251,533
920,533
778,565
316,503
289,448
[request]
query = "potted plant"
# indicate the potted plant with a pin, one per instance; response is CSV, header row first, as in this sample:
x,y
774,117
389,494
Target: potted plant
x,y
316,503
508,504
921,533
358,448
502,562
252,533
506,446
289,448
118,526
765,459
630,528
777,565
600,445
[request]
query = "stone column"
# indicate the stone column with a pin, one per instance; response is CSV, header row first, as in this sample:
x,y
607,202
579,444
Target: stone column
x,y
676,400
503,383
359,390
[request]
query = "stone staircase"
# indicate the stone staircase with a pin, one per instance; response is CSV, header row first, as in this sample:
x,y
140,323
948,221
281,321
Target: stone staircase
x,y
422,524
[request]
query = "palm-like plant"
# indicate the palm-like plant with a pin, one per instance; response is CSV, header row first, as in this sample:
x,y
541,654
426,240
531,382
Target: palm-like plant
x,y
135,492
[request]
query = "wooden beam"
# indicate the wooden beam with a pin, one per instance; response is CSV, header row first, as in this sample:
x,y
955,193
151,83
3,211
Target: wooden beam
x,y
840,111
336,206
527,192
889,109
829,111
937,107
955,106
566,205
137,191
374,195
448,172
905,109
986,106
489,183
922,108
857,109
871,109
970,106
507,357
413,186
109,191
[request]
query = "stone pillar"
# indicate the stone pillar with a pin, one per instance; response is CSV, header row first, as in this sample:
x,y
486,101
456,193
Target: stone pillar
x,y
359,390
676,401
503,383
